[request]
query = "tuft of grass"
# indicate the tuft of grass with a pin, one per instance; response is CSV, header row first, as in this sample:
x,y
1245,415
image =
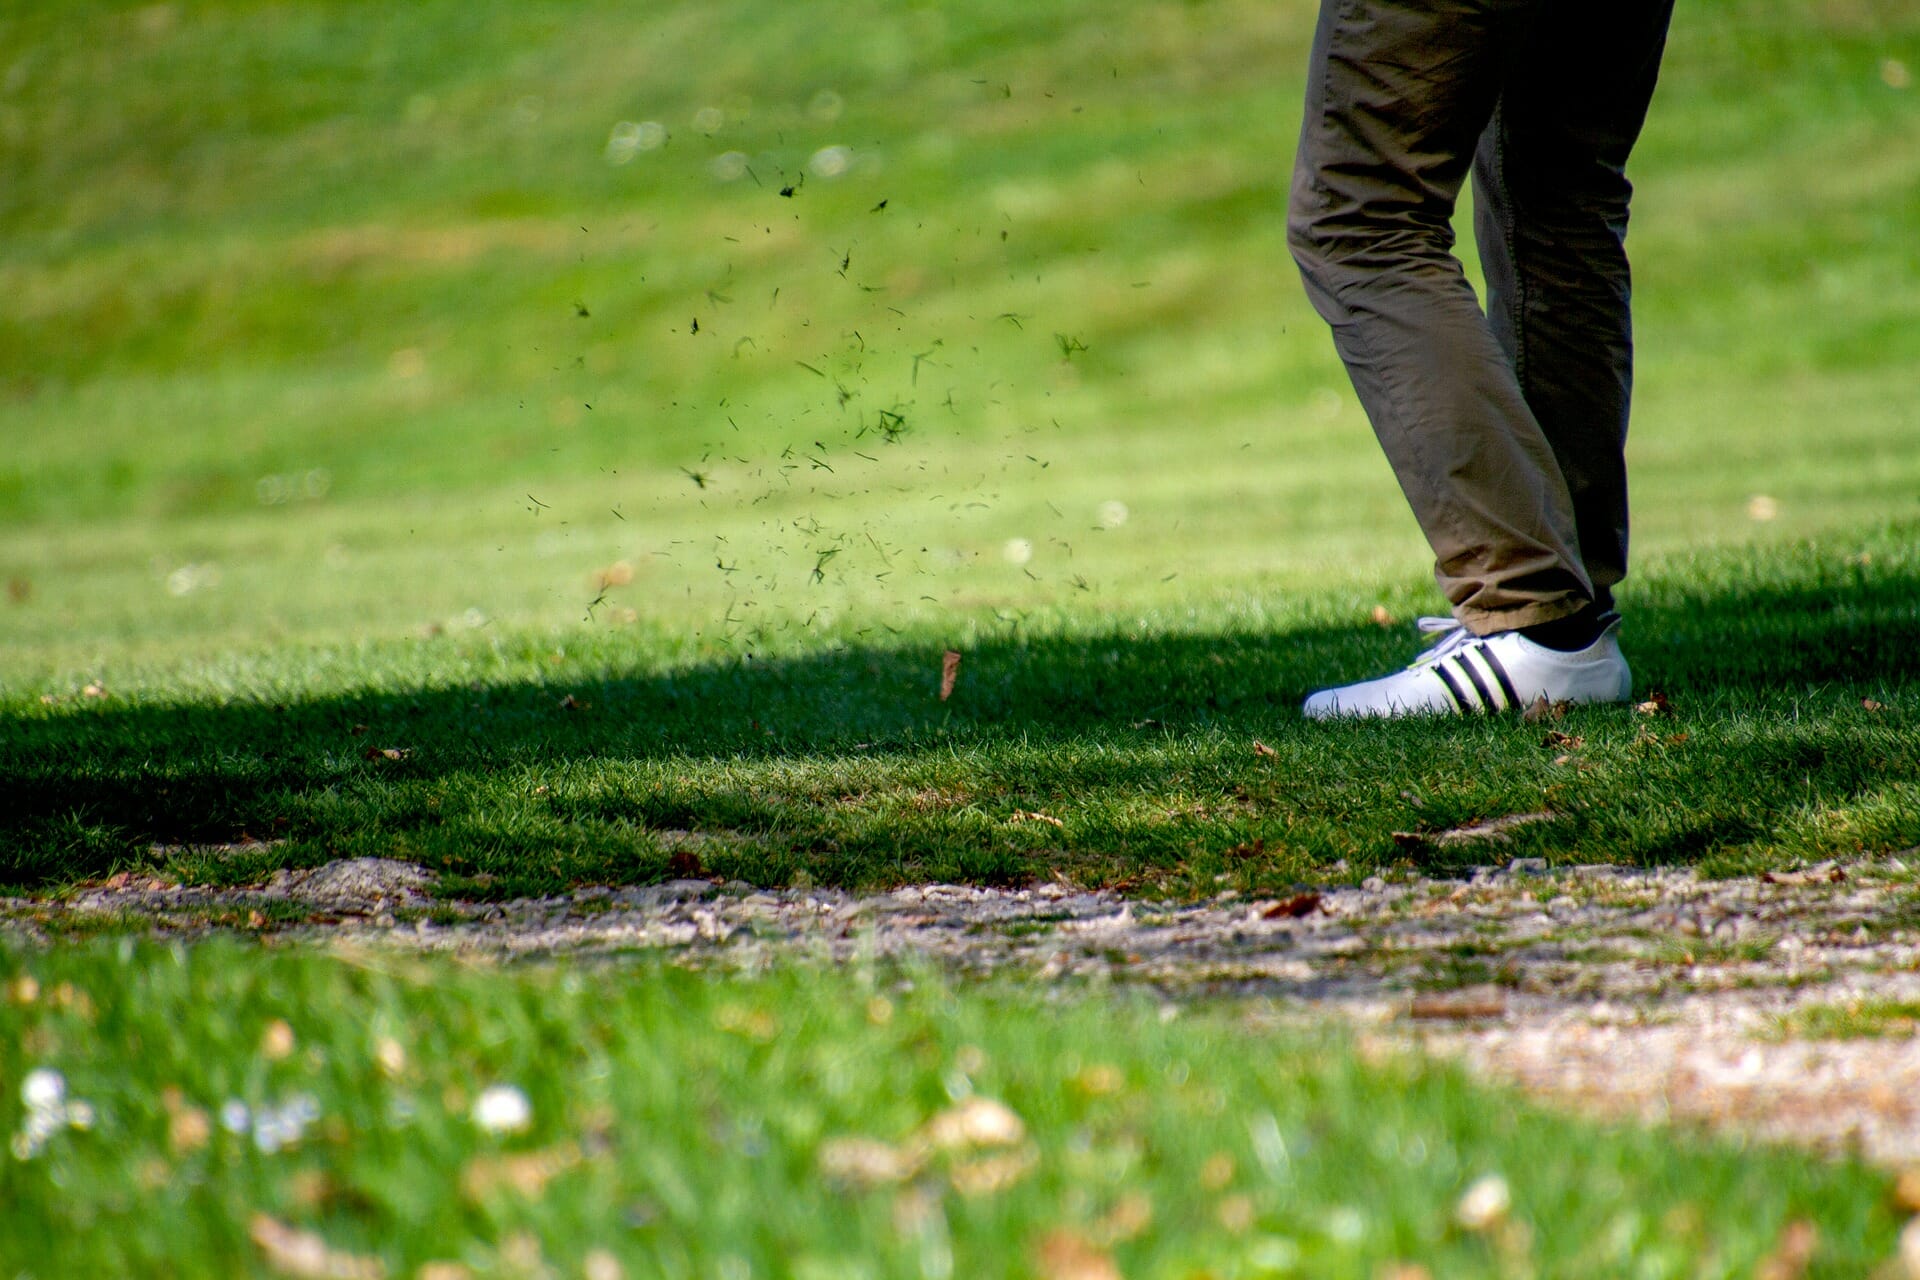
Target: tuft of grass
x,y
1853,1020
217,1097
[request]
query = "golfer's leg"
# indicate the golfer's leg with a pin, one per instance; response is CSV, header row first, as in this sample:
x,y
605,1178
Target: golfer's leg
x,y
1398,94
1550,217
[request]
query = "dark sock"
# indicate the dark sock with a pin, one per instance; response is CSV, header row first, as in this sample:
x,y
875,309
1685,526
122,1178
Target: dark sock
x,y
1572,633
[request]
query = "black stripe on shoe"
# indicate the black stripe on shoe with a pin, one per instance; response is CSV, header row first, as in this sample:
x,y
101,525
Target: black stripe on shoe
x,y
1459,699
1499,673
1479,685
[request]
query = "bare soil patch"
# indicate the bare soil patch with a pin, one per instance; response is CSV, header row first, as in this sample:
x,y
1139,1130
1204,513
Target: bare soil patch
x,y
1648,993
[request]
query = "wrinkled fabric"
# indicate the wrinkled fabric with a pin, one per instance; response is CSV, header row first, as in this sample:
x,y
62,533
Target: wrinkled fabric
x,y
1506,428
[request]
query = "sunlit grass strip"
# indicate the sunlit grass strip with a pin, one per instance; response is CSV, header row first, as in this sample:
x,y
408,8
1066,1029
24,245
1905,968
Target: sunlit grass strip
x,y
219,1110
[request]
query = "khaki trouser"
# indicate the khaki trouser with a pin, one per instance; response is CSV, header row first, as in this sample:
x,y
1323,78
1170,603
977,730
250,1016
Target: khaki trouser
x,y
1507,429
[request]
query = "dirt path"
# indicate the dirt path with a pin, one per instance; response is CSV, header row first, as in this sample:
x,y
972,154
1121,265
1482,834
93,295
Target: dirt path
x,y
1781,1006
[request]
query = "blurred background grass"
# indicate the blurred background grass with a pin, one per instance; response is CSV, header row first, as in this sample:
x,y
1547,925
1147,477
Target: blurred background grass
x,y
328,319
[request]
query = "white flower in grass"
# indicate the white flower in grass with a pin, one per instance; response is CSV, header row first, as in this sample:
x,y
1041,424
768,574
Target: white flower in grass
x,y
502,1108
44,1089
44,1094
286,1124
274,1125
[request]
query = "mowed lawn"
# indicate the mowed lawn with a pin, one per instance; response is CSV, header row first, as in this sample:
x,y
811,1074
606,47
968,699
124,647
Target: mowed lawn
x,y
497,437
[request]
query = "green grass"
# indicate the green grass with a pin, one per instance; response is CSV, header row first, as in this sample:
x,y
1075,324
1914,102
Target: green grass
x,y
680,1126
349,377
529,763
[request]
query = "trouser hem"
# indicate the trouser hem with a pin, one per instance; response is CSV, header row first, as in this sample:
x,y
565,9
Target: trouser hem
x,y
1488,622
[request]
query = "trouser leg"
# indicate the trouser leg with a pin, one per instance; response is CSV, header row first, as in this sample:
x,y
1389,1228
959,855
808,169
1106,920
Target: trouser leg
x,y
1399,92
1550,220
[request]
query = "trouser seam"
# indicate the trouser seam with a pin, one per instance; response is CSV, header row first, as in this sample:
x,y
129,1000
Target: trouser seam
x,y
1509,235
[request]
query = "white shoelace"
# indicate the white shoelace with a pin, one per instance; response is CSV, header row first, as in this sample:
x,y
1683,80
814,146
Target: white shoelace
x,y
1453,638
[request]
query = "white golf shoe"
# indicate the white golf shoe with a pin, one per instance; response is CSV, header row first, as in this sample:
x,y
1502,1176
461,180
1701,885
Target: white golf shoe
x,y
1465,674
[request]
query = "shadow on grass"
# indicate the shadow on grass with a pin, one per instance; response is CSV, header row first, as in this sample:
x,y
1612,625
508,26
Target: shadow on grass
x,y
1112,759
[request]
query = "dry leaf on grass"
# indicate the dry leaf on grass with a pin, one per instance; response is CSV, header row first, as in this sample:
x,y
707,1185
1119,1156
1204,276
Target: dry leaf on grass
x,y
990,1174
866,1162
1236,1214
949,672
1025,815
1466,1003
1485,1204
1294,908
601,1264
1490,830
188,1130
276,1042
1382,616
1542,710
1063,1255
526,1173
290,1251
1655,705
1821,873
1792,1252
1131,1214
1262,749
977,1122
387,753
